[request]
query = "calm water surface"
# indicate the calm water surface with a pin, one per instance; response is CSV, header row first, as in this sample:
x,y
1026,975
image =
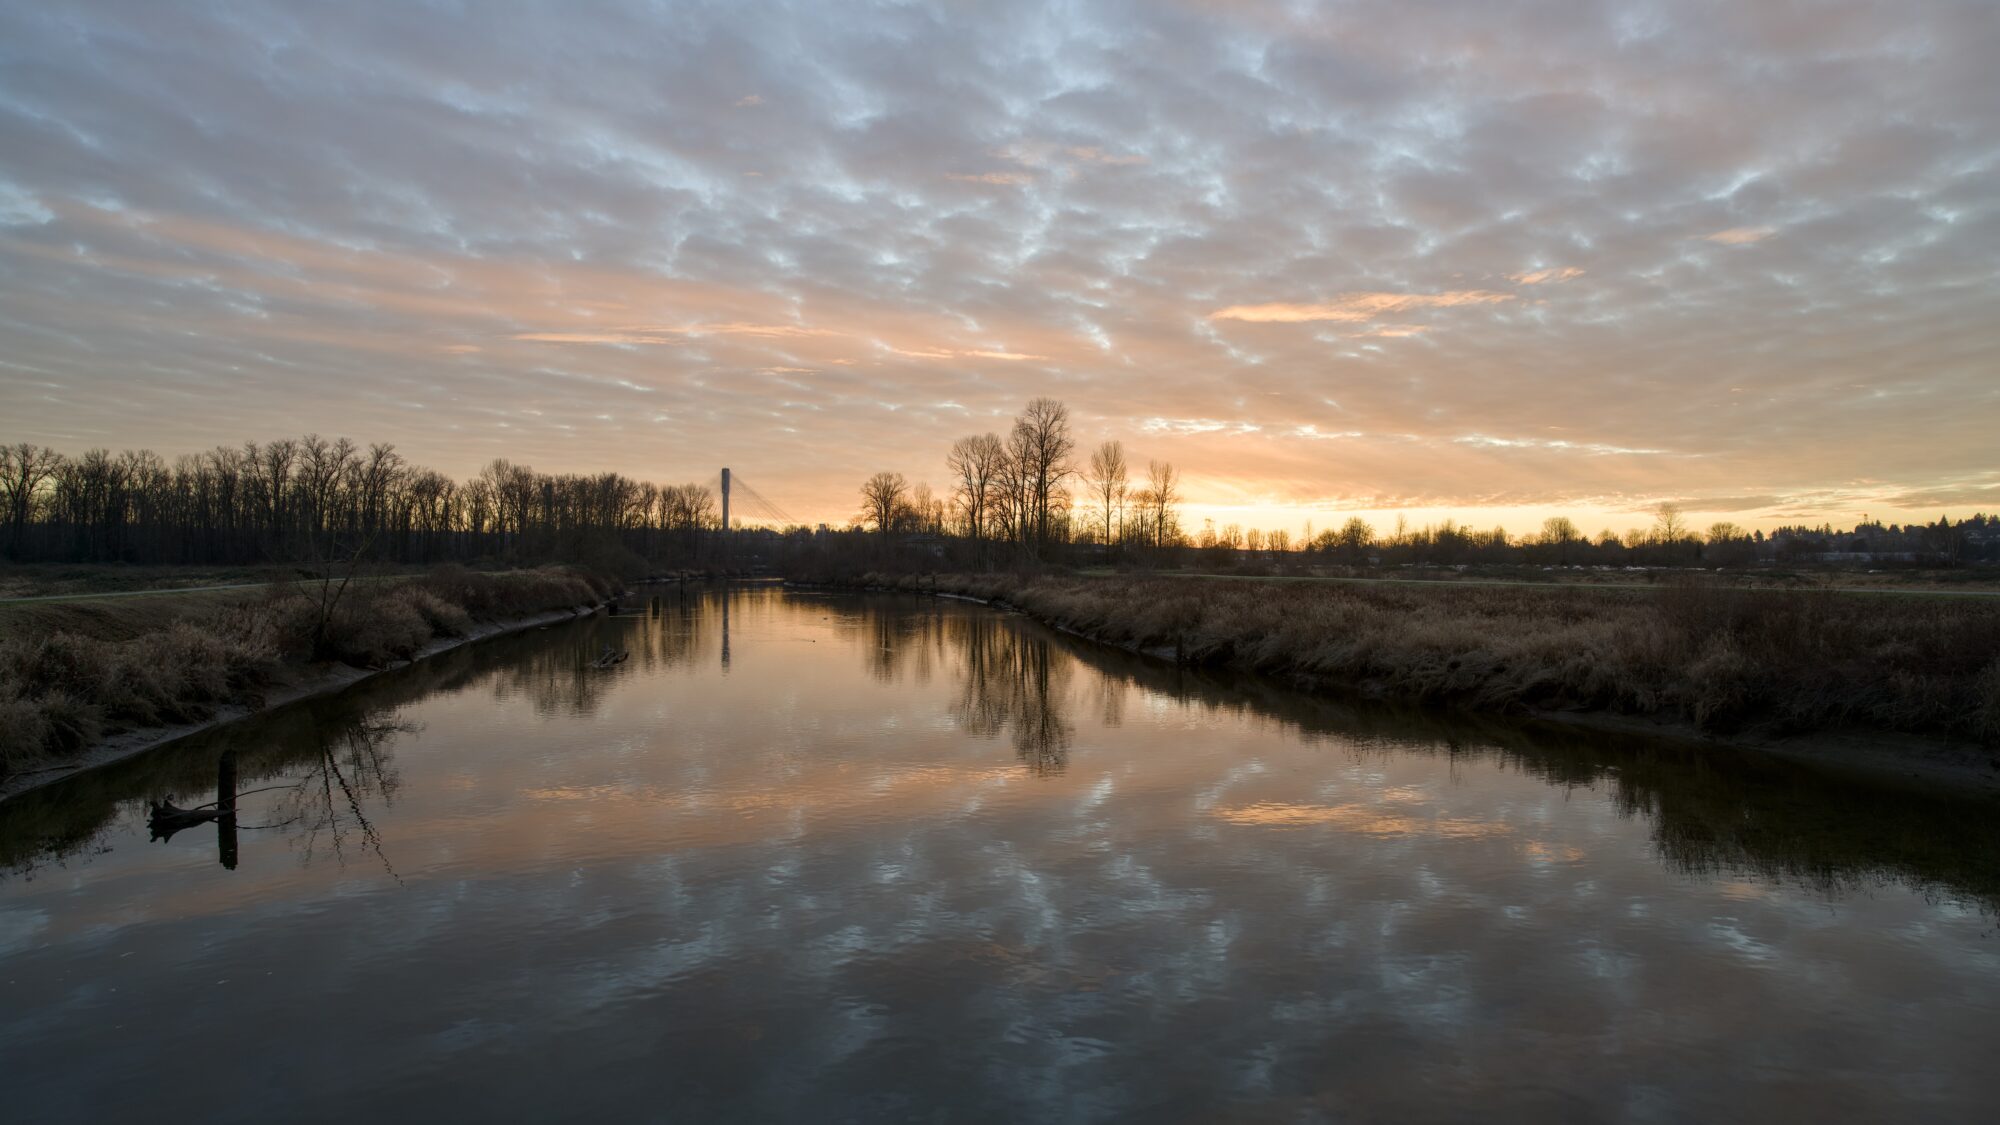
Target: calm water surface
x,y
842,858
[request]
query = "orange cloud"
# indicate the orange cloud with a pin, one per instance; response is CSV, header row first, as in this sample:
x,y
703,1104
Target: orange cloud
x,y
1739,236
669,334
956,353
1099,156
592,338
1355,307
1553,273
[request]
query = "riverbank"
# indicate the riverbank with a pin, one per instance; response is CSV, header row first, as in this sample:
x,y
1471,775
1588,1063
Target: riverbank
x,y
74,695
1845,681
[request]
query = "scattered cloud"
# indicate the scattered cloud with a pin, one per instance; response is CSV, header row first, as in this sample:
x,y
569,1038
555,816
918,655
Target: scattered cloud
x,y
1486,442
1739,236
960,353
1314,433
1097,219
1197,426
594,338
676,334
1541,276
998,179
1352,307
1093,155
20,208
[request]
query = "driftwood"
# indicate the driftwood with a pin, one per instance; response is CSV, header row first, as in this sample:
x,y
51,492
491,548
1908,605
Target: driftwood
x,y
167,820
608,658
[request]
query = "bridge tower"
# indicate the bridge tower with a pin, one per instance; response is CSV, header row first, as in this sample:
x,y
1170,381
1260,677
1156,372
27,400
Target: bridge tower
x,y
725,499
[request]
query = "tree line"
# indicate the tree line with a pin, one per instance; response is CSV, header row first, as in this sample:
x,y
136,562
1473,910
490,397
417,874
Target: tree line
x,y
310,499
1025,496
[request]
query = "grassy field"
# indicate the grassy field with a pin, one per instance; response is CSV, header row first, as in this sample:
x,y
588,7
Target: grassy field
x,y
71,671
1721,659
51,580
120,619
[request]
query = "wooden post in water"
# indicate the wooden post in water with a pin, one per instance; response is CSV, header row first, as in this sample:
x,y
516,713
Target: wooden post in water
x,y
225,807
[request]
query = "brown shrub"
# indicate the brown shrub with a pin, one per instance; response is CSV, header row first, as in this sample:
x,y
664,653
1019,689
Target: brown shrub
x,y
1717,656
1988,688
369,632
57,691
52,724
23,732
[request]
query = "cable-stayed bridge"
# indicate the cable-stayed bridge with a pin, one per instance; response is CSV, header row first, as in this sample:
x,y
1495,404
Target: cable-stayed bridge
x,y
739,498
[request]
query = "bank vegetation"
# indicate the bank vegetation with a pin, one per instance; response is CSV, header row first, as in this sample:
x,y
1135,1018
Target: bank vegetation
x,y
71,673
1718,659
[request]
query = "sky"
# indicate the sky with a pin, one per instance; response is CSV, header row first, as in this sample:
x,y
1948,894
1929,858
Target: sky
x,y
1486,260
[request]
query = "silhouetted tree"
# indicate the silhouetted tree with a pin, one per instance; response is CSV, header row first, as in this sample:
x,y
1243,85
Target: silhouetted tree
x,y
1040,448
976,463
882,498
1163,498
1108,486
1560,535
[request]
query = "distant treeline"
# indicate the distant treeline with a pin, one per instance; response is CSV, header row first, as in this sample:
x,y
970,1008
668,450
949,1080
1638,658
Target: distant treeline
x,y
1022,499
1027,498
311,500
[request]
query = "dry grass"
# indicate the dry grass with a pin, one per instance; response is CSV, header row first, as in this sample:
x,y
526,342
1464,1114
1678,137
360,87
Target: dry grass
x,y
120,619
1722,659
70,672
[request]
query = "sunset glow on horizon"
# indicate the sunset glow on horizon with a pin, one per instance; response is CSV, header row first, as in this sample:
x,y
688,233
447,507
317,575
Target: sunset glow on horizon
x,y
1510,262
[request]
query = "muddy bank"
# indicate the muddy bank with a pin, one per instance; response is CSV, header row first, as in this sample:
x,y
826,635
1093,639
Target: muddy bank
x,y
1112,612
315,680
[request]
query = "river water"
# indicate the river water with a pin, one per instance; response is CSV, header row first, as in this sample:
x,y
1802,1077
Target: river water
x,y
820,858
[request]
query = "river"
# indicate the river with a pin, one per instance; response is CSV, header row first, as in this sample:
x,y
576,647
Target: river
x,y
825,857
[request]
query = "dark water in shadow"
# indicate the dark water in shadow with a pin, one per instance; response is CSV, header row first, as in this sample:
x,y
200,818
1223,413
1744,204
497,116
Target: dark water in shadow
x,y
842,858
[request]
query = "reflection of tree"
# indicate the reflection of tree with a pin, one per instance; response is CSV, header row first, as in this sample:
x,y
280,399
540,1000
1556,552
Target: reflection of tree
x,y
900,643
69,820
327,805
659,631
1016,682
1112,691
1714,810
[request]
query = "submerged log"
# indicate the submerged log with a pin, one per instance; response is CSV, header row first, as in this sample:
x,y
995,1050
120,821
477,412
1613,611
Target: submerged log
x,y
167,819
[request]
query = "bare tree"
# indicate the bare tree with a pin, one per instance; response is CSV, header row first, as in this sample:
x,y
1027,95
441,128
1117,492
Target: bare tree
x,y
882,500
1560,533
976,462
1108,485
1040,448
1162,496
24,468
1669,523
924,513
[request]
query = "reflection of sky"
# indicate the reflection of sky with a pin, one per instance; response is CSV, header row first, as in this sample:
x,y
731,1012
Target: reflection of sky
x,y
802,888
